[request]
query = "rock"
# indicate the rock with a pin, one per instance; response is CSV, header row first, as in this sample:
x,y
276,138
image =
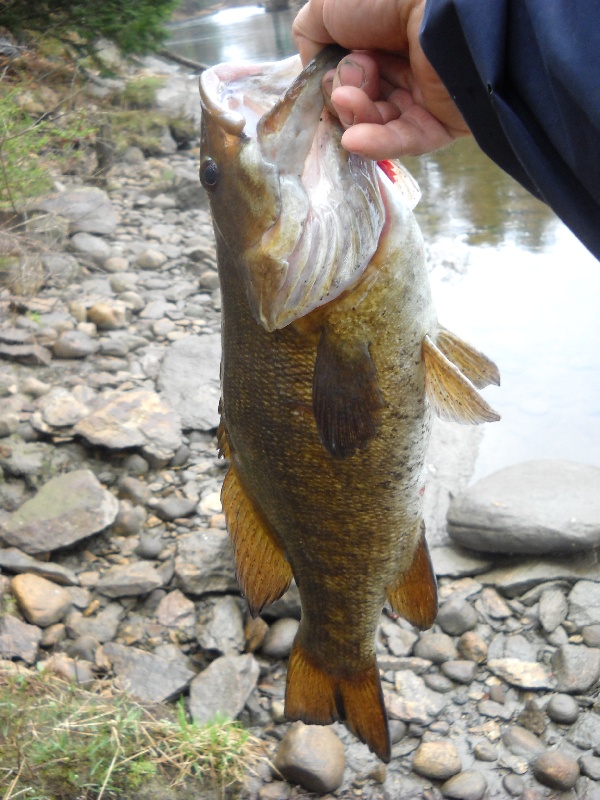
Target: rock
x,y
456,616
459,671
74,344
92,247
312,757
65,510
556,770
10,410
146,676
492,605
102,627
15,560
513,646
129,520
591,635
59,408
223,687
130,580
514,785
584,603
535,507
585,733
204,562
151,545
553,609
222,630
87,209
138,418
41,602
176,611
173,507
107,316
532,718
473,647
414,701
188,190
79,672
454,562
436,647
522,742
189,380
562,708
527,574
436,760
576,668
279,639
33,354
485,751
467,785
590,766
522,674
19,639
150,259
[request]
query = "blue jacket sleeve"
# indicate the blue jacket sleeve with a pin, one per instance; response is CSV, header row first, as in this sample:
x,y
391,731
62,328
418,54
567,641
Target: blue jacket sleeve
x,y
525,74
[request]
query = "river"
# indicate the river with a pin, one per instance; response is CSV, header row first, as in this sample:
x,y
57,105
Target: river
x,y
506,274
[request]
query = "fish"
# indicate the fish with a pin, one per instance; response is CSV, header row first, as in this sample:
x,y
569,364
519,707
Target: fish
x,y
333,363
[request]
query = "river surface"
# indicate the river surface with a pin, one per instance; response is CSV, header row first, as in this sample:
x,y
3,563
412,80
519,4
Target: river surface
x,y
506,274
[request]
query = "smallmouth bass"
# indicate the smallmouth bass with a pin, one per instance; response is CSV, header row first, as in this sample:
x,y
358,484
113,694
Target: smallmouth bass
x,y
333,362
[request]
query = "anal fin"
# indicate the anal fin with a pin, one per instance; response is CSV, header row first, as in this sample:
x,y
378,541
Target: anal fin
x,y
263,571
346,395
473,364
451,394
318,697
414,595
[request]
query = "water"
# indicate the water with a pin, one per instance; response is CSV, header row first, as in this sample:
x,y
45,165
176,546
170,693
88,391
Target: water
x,y
506,274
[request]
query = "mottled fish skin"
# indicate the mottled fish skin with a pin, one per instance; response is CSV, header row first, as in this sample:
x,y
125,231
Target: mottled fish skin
x,y
326,423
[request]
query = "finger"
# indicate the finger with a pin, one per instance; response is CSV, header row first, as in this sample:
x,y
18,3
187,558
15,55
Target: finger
x,y
412,134
353,106
309,31
358,69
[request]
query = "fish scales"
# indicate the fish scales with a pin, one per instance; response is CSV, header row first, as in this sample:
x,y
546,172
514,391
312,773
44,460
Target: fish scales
x,y
326,408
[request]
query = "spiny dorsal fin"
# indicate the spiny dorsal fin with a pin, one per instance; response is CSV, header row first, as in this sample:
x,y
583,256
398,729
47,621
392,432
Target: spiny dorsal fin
x,y
346,395
473,364
414,595
452,396
263,571
318,697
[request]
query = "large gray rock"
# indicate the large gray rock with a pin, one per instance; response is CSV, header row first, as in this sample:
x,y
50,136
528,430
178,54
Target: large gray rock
x,y
87,209
189,380
139,418
535,507
514,579
204,562
584,602
67,509
146,676
223,687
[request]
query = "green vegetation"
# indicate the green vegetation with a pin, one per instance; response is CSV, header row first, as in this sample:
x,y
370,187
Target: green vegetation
x,y
135,26
140,92
60,742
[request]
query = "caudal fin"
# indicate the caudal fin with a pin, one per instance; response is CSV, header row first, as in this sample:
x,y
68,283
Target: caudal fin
x,y
320,698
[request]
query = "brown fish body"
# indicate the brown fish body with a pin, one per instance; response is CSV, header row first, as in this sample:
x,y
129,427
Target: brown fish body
x,y
326,422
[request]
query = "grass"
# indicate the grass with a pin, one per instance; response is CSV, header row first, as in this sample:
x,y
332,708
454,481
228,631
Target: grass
x,y
61,742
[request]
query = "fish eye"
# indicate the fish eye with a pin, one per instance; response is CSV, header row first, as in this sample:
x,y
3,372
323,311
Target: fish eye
x,y
209,174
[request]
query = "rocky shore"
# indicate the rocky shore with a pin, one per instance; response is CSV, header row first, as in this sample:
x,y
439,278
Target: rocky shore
x,y
115,561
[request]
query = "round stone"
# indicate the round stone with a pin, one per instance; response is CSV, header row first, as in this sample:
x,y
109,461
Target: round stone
x,y
563,708
436,760
312,757
460,671
42,602
472,647
456,616
467,785
513,784
436,647
278,641
556,770
485,751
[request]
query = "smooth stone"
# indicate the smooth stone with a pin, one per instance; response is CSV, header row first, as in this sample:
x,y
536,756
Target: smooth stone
x,y
223,687
522,742
460,671
189,380
436,760
563,708
454,562
584,603
74,345
436,647
59,408
172,508
556,770
41,602
87,209
150,259
107,316
65,510
590,766
312,757
151,545
133,489
146,676
485,751
576,668
591,635
130,580
438,683
536,507
527,574
513,784
280,637
467,785
91,246
522,674
473,647
456,616
78,672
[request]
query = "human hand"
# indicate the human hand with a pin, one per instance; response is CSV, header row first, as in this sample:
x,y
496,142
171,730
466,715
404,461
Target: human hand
x,y
386,93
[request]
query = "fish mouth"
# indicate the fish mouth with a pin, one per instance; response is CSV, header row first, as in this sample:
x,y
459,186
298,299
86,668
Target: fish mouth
x,y
330,210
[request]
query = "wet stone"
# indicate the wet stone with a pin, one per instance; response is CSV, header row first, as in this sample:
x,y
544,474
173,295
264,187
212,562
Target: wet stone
x,y
467,785
556,770
151,545
591,635
414,701
41,602
562,708
436,760
485,751
436,647
590,766
522,742
278,641
438,683
223,687
489,708
312,757
533,718
585,733
513,784
576,667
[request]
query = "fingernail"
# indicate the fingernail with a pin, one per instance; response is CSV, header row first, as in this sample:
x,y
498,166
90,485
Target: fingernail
x,y
346,119
351,74
328,85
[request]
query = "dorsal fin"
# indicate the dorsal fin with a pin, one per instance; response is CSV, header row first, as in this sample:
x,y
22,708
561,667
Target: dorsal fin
x,y
473,364
451,394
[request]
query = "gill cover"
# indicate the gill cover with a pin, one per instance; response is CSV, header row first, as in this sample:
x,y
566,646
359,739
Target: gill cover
x,y
302,214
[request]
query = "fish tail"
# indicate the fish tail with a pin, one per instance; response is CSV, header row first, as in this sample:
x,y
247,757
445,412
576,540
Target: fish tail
x,y
318,697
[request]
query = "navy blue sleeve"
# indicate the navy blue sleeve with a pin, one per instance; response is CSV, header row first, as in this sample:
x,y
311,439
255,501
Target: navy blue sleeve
x,y
525,74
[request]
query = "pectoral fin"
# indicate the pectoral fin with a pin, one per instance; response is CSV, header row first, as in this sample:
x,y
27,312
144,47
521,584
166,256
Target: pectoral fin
x,y
346,395
318,697
262,569
473,364
414,595
451,394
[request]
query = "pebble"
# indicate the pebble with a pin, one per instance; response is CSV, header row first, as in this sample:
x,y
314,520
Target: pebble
x,y
556,770
485,751
42,602
473,647
107,316
522,742
513,784
436,760
150,259
312,757
436,647
467,785
278,641
562,708
456,616
590,766
75,345
576,667
460,671
172,507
